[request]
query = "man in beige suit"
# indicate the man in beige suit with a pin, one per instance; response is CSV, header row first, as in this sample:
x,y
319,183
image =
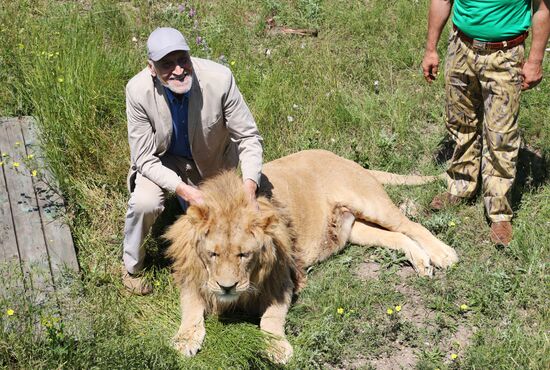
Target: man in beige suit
x,y
187,121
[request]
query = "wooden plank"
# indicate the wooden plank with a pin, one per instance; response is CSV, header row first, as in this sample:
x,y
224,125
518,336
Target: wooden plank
x,y
24,209
57,234
10,268
8,242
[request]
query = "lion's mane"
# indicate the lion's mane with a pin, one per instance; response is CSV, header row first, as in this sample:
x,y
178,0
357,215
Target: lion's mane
x,y
225,201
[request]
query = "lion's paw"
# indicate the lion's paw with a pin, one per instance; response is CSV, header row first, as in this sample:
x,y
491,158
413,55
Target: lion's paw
x,y
189,342
420,261
280,351
444,256
425,270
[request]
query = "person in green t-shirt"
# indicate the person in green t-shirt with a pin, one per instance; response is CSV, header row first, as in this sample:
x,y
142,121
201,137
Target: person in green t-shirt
x,y
485,72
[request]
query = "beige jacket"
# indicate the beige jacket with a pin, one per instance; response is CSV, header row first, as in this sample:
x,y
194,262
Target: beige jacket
x,y
222,130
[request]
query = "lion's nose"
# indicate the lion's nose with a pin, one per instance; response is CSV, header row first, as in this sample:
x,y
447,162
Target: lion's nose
x,y
227,288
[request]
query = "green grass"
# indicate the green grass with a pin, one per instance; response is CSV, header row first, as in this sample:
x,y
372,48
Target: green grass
x,y
66,63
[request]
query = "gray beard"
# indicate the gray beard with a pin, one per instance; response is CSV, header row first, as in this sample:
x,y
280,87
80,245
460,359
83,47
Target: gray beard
x,y
177,90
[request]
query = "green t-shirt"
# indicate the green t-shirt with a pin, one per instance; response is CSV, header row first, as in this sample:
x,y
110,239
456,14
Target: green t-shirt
x,y
492,20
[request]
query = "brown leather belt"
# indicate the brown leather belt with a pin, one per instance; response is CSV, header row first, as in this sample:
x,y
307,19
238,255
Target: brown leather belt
x,y
491,45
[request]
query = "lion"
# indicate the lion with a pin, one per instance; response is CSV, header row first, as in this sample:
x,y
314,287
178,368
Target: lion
x,y
229,255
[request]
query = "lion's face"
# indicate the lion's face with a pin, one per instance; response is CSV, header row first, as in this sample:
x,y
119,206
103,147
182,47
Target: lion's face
x,y
229,250
230,254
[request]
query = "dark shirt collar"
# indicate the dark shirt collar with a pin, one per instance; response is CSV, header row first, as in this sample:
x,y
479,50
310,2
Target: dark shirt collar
x,y
174,97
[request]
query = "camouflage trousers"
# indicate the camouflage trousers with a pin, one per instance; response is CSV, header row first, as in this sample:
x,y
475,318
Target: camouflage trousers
x,y
482,105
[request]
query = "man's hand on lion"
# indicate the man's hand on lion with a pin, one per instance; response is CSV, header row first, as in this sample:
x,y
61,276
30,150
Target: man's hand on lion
x,y
190,194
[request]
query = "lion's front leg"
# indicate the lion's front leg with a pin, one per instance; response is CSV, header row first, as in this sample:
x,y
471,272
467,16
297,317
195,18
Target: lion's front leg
x,y
188,340
273,322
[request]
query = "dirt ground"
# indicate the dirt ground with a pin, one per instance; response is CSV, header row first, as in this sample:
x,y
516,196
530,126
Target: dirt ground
x,y
414,311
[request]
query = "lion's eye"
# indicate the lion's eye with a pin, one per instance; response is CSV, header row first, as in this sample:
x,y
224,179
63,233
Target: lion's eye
x,y
212,254
244,255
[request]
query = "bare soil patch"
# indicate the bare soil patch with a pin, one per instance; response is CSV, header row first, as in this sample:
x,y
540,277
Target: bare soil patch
x,y
368,270
403,355
402,358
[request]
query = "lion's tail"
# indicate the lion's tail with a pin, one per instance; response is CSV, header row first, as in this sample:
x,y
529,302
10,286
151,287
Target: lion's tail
x,y
388,178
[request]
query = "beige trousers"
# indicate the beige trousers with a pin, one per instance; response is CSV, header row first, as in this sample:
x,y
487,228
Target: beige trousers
x,y
483,95
145,205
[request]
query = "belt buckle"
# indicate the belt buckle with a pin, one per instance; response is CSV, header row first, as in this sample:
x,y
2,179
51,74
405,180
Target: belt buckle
x,y
479,45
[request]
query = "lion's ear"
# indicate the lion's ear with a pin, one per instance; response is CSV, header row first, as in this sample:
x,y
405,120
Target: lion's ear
x,y
197,215
189,228
267,215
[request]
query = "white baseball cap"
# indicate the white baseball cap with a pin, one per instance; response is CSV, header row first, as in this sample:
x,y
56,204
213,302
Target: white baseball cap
x,y
165,40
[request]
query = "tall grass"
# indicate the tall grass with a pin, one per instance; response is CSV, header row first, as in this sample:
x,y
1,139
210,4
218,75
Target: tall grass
x,y
357,90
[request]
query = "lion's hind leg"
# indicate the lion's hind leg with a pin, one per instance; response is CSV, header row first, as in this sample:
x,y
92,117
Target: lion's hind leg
x,y
366,235
377,208
441,255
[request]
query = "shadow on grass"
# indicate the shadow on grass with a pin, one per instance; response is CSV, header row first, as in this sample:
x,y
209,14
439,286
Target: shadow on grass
x,y
444,150
532,173
236,317
532,168
156,248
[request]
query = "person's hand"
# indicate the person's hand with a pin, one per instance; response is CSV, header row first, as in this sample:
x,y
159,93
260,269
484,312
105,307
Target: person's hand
x,y
430,65
190,194
531,74
250,188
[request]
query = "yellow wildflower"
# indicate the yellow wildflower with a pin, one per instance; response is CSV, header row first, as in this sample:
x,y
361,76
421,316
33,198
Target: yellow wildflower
x,y
60,79
233,62
398,308
34,173
17,143
15,164
451,223
464,307
389,311
30,156
157,283
340,311
4,154
454,356
10,312
1,163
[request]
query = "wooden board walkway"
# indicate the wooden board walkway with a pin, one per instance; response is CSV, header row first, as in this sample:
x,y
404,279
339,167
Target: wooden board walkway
x,y
34,236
